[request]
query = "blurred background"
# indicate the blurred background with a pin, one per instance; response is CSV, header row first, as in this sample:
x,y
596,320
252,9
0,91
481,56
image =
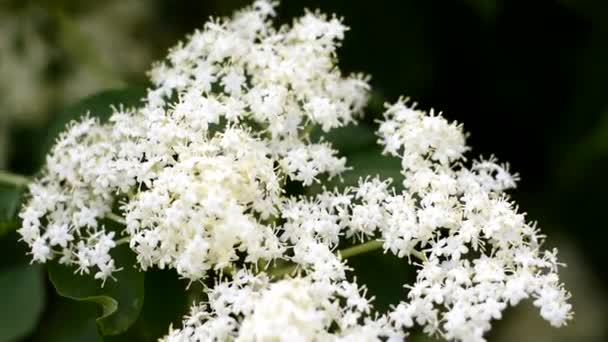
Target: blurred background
x,y
528,79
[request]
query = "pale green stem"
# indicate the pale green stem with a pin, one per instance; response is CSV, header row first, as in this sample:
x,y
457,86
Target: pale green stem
x,y
363,248
419,255
122,241
116,218
372,246
359,249
280,272
13,179
308,130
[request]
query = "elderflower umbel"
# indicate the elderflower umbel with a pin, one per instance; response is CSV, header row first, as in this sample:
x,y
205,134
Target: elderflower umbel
x,y
198,161
199,173
480,254
250,308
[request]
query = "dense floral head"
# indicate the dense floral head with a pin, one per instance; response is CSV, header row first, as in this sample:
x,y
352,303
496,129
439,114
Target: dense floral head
x,y
199,174
250,308
201,163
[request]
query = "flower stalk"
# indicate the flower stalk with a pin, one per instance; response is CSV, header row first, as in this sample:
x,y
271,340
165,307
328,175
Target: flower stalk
x,y
13,179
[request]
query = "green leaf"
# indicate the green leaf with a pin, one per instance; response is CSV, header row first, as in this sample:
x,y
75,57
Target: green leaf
x,y
487,9
348,139
67,321
371,269
358,143
372,163
22,300
585,158
10,200
158,313
120,301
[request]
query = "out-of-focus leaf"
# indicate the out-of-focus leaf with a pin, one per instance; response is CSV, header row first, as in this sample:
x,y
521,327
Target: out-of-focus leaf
x,y
487,9
372,163
120,300
68,321
22,300
167,301
348,139
588,155
595,10
358,144
372,269
10,199
98,105
595,144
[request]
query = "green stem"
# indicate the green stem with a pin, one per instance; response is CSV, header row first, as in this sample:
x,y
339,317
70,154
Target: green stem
x,y
280,272
116,218
369,246
13,179
363,248
419,255
360,249
122,241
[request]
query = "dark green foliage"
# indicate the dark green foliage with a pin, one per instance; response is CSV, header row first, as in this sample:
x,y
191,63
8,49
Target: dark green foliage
x,y
10,200
119,301
22,288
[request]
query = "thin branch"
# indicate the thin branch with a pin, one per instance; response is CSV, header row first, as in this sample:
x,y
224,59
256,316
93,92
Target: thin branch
x,y
116,218
13,179
345,253
122,241
280,272
368,246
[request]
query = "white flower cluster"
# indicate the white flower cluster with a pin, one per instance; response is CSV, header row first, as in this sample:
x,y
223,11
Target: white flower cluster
x,y
201,163
61,217
198,171
479,253
209,203
251,308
